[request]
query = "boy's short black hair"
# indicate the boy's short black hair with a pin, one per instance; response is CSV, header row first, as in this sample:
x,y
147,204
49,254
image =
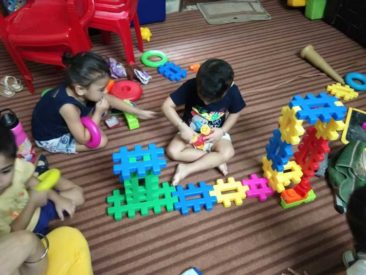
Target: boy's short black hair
x,y
8,148
356,218
214,78
84,68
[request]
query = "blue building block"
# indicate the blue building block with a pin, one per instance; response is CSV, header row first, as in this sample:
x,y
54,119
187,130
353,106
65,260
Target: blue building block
x,y
322,107
172,71
186,202
138,161
278,151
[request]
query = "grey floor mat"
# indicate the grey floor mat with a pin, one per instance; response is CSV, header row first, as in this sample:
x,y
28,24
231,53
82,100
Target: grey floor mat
x,y
223,12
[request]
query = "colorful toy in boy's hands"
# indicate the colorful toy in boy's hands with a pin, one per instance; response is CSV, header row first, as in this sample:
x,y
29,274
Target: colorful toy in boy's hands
x,y
198,141
48,180
95,133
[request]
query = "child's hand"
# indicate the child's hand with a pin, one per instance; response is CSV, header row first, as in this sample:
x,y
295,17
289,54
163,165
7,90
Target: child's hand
x,y
38,198
215,136
64,204
187,133
144,114
102,106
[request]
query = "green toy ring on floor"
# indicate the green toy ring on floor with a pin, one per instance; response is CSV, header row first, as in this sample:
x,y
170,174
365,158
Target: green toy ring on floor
x,y
146,58
48,180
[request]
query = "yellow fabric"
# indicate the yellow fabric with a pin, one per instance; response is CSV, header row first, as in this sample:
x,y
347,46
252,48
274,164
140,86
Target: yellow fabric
x,y
68,253
15,197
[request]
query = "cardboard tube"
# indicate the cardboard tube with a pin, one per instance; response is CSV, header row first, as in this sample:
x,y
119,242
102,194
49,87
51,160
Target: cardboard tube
x,y
310,54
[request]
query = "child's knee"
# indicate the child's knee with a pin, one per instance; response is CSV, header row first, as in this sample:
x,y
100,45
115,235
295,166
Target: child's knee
x,y
228,154
79,196
172,152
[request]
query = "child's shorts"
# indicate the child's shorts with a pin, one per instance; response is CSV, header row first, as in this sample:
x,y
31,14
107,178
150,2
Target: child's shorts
x,y
208,145
65,144
48,214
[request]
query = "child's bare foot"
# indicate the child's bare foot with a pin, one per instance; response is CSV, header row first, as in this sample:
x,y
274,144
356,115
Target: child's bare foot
x,y
223,169
180,173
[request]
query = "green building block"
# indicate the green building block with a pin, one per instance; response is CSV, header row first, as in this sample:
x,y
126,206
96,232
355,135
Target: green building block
x,y
315,9
141,189
132,120
311,196
118,208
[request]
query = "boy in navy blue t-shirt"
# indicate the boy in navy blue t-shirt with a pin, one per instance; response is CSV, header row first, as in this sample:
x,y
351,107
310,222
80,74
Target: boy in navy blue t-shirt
x,y
211,99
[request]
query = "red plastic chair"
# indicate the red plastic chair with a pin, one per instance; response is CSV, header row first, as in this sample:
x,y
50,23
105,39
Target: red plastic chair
x,y
42,31
116,16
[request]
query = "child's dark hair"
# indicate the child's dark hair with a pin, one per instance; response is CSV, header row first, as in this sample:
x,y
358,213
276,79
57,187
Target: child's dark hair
x,y
214,78
85,68
8,148
356,218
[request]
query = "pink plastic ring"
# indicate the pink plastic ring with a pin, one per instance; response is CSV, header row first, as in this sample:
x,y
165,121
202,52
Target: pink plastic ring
x,y
96,136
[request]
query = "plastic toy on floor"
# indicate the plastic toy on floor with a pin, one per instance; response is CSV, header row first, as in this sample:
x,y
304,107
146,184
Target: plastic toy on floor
x,y
125,89
192,271
146,34
116,69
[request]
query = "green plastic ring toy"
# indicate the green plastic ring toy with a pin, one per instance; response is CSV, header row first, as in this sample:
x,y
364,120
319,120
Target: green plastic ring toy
x,y
48,179
146,58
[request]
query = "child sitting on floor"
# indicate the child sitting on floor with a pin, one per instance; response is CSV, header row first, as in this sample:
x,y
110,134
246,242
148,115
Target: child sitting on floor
x,y
22,207
356,218
56,119
211,99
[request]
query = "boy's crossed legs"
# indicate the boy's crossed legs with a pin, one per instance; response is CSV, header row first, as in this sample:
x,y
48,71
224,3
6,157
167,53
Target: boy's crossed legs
x,y
197,160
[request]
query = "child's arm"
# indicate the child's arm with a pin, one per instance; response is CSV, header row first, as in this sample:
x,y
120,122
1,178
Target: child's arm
x,y
217,133
71,115
169,111
119,104
18,248
36,199
69,197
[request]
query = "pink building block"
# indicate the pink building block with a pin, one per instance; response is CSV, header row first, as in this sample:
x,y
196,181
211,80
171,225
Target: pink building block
x,y
258,187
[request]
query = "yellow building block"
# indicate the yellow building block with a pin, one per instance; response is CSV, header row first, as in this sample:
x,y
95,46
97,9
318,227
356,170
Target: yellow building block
x,y
343,92
146,33
290,127
329,130
279,180
231,191
296,3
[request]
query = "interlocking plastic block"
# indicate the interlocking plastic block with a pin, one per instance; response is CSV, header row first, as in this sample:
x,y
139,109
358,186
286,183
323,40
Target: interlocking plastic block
x,y
117,207
258,188
311,152
297,199
230,191
303,187
138,161
172,71
329,131
187,198
315,9
278,180
340,91
132,120
278,151
322,107
296,3
141,189
291,128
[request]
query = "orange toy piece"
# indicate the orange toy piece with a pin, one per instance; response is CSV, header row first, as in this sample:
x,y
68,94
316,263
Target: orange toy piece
x,y
194,67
